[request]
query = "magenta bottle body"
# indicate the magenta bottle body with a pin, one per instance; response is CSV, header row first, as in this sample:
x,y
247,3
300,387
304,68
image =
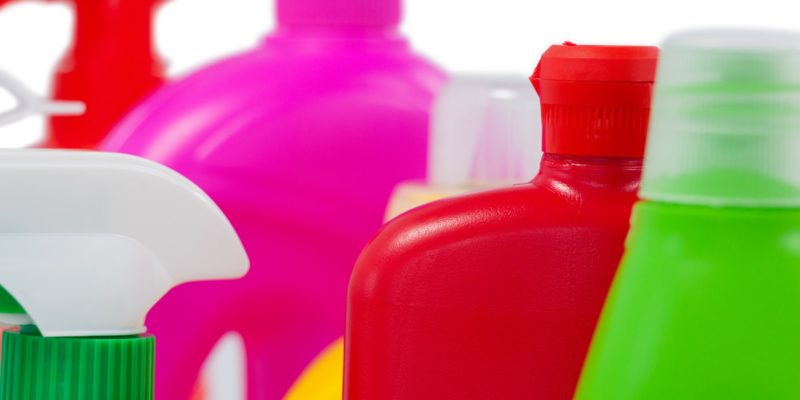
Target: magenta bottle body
x,y
300,142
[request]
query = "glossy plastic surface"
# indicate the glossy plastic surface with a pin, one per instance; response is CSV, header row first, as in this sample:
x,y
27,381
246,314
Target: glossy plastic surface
x,y
300,142
493,295
704,307
110,66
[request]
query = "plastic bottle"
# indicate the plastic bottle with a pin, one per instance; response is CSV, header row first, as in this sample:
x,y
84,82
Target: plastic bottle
x,y
300,142
705,303
110,67
495,295
484,134
80,273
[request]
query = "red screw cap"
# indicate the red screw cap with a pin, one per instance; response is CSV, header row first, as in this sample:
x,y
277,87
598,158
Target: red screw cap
x,y
595,99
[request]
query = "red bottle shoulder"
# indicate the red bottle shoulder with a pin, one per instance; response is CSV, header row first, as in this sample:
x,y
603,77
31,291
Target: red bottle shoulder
x,y
526,226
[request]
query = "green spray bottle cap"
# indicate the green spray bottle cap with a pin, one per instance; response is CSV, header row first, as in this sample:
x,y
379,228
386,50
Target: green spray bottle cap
x,y
725,125
88,243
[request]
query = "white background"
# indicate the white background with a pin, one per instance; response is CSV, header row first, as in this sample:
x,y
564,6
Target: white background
x,y
461,35
482,36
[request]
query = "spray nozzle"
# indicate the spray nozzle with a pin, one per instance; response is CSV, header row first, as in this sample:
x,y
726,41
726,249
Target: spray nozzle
x,y
90,241
28,103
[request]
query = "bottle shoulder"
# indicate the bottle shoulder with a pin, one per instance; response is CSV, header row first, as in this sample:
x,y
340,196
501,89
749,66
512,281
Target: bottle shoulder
x,y
524,223
258,74
495,250
737,234
526,207
273,100
263,68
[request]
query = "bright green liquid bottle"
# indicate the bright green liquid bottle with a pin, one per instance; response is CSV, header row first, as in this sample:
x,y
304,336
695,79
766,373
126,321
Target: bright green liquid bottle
x,y
706,303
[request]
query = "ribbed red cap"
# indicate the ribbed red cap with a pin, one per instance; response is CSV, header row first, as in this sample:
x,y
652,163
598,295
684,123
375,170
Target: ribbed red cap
x,y
595,99
339,12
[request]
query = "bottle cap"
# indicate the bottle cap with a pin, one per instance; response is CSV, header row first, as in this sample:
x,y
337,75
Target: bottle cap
x,y
364,13
726,120
485,129
595,100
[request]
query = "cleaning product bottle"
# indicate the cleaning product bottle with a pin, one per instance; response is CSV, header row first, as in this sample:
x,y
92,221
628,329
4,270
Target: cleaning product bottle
x,y
495,295
110,66
300,142
484,134
705,303
89,243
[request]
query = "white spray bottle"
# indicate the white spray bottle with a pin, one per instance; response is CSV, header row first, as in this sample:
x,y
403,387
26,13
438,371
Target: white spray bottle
x,y
88,243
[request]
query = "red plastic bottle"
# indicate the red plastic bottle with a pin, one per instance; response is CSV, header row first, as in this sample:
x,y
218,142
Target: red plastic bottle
x,y
496,295
110,66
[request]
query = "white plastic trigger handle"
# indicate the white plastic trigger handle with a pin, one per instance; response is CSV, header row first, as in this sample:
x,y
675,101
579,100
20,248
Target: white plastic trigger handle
x,y
89,241
29,103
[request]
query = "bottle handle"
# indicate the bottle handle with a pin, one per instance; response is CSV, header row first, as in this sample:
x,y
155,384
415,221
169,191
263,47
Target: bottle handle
x,y
29,103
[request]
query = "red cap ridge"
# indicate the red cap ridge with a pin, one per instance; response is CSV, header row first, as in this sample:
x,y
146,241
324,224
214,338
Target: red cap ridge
x,y
595,99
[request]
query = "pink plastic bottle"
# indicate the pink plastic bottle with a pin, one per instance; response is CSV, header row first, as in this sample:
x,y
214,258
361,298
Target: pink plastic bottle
x,y
300,142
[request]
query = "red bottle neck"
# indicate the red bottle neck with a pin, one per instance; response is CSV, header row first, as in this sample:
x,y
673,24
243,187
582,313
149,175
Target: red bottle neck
x,y
568,172
114,26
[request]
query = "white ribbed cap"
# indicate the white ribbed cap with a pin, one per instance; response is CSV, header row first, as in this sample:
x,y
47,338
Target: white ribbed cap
x,y
485,129
725,124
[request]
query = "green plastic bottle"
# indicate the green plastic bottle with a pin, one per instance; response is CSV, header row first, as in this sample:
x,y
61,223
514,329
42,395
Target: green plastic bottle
x,y
706,303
